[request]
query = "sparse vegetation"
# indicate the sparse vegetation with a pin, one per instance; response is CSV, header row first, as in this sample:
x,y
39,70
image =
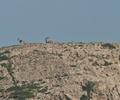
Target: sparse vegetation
x,y
56,71
24,91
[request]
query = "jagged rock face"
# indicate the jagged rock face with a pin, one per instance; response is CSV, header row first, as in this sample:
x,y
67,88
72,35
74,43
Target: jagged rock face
x,y
66,71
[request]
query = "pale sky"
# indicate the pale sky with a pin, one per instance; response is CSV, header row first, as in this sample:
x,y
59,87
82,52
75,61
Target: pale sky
x,y
63,20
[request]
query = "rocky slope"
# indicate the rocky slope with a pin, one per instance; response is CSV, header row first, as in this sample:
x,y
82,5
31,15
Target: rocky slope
x,y
60,71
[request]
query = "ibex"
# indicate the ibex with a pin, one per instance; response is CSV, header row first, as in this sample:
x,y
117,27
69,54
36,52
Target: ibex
x,y
20,41
48,40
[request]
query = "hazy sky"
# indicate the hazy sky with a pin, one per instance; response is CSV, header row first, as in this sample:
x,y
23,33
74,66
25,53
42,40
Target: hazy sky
x,y
63,20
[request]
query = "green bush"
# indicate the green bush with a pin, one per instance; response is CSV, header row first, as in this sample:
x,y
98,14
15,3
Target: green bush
x,y
6,52
107,63
1,89
1,77
83,97
7,66
108,45
89,85
3,57
23,92
20,93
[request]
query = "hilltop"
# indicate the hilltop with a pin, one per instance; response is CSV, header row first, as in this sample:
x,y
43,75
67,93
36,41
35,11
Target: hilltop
x,y
60,71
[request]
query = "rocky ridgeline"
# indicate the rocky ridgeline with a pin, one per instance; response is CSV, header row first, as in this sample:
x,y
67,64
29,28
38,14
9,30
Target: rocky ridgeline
x,y
60,71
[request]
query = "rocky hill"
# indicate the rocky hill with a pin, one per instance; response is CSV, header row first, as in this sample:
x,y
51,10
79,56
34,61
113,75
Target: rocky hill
x,y
60,71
